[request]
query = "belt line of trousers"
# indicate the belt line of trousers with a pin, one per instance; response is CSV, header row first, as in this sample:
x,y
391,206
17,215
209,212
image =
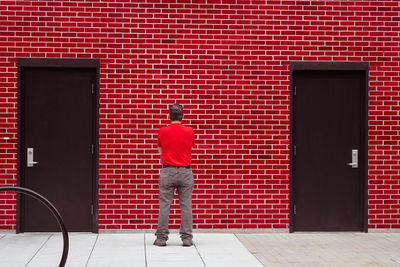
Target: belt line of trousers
x,y
182,180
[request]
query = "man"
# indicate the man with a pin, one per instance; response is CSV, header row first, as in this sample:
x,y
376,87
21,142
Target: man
x,y
175,144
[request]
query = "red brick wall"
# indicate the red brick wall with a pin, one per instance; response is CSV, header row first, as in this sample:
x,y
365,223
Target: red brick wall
x,y
227,62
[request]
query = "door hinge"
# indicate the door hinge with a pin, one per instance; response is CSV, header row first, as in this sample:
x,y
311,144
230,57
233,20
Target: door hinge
x,y
91,209
294,209
92,149
295,90
92,88
294,150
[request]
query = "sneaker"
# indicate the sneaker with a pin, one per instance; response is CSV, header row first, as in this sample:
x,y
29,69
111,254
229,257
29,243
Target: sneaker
x,y
160,242
187,242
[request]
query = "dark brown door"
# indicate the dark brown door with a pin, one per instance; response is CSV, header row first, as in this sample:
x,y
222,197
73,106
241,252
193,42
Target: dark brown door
x,y
58,133
328,121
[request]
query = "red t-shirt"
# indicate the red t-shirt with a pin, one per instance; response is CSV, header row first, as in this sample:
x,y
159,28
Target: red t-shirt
x,y
176,142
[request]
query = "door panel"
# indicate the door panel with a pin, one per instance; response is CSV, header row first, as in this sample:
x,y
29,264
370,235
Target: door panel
x,y
328,193
58,120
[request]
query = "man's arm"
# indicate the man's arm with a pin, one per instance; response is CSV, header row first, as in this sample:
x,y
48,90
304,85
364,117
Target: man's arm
x,y
159,146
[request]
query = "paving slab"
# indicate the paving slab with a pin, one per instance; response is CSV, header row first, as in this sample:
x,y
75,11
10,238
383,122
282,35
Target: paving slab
x,y
19,250
118,250
80,248
224,250
173,255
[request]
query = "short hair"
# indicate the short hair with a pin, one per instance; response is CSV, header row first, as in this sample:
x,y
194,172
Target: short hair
x,y
176,112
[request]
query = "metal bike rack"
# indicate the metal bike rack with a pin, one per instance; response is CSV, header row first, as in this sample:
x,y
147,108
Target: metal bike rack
x,y
52,209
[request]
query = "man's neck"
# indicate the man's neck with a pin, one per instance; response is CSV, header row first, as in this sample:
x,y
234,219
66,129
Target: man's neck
x,y
176,122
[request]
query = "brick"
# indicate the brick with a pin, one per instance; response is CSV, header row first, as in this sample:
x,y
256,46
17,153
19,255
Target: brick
x,y
216,59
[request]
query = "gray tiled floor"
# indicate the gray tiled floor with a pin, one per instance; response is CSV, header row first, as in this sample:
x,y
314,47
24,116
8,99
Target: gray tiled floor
x,y
119,250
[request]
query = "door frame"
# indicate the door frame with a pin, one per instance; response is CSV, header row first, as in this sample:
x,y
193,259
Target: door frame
x,y
23,63
331,66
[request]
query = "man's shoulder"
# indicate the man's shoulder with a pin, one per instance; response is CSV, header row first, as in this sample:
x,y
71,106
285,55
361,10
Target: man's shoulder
x,y
188,128
172,128
163,129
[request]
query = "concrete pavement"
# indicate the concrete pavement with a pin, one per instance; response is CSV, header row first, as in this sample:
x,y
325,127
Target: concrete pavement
x,y
126,249
325,249
210,250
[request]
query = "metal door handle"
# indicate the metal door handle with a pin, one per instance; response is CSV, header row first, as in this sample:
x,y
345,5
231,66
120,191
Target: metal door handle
x,y
30,162
354,159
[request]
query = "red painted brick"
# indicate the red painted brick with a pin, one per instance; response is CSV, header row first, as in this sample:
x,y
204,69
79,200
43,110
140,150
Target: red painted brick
x,y
227,62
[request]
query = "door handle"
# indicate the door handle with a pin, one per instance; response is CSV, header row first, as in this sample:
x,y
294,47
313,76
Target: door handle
x,y
354,159
30,162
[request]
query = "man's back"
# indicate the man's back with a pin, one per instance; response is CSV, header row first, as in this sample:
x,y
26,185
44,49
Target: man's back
x,y
176,142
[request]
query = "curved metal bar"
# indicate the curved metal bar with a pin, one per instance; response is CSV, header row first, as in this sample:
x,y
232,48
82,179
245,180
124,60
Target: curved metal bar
x,y
53,210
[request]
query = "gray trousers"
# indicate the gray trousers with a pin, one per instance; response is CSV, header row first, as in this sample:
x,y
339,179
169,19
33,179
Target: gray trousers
x,y
170,179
